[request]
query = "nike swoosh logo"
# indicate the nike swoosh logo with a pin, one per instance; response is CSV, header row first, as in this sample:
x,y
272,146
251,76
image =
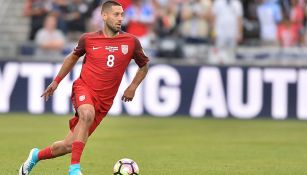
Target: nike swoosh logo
x,y
22,172
95,48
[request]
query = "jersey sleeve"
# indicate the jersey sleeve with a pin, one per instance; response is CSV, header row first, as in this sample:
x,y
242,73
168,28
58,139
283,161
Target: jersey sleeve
x,y
79,50
139,56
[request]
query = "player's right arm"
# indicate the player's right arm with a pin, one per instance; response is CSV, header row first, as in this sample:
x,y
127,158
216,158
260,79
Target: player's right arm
x,y
68,64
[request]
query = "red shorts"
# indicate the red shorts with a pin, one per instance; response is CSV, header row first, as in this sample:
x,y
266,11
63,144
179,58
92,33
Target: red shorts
x,y
81,94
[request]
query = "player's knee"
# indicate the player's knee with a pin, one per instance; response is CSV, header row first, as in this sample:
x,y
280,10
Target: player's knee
x,y
87,116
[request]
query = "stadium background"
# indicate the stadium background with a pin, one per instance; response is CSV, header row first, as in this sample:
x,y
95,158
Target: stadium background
x,y
263,76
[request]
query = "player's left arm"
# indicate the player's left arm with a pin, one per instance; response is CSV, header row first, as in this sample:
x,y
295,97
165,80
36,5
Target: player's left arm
x,y
138,78
142,61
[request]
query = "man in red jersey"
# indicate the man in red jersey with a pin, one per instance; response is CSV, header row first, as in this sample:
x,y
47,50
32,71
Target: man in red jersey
x,y
107,55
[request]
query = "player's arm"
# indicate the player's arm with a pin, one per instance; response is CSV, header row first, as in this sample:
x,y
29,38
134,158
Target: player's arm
x,y
68,64
142,61
138,78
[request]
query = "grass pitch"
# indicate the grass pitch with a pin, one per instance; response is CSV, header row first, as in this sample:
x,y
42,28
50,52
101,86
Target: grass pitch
x,y
163,146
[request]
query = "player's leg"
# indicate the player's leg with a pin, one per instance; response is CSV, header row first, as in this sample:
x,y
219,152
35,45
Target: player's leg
x,y
57,149
86,113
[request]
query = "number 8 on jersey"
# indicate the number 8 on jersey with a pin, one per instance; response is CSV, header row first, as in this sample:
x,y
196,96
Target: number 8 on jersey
x,y
110,61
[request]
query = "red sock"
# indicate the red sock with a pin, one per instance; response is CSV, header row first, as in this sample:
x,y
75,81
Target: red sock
x,y
45,154
76,152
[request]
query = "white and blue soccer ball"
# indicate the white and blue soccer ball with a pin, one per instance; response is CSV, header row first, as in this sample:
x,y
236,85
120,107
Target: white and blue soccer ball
x,y
126,166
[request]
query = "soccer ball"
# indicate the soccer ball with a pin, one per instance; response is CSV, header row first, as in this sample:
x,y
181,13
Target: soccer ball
x,y
126,167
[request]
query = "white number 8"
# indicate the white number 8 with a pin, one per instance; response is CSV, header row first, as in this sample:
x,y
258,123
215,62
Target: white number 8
x,y
110,62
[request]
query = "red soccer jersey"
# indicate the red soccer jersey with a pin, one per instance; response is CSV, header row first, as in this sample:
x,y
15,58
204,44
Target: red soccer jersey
x,y
106,60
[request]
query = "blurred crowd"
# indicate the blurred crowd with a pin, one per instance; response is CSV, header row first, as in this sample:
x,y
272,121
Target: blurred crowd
x,y
174,28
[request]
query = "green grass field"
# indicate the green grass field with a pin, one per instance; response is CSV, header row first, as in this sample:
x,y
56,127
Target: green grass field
x,y
163,146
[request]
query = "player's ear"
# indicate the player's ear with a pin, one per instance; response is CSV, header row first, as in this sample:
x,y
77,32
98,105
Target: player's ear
x,y
104,16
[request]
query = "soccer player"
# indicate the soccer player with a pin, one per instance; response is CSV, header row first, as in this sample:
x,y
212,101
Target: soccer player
x,y
107,55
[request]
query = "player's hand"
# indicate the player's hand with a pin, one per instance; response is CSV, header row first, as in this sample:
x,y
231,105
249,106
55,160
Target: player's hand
x,y
129,94
49,90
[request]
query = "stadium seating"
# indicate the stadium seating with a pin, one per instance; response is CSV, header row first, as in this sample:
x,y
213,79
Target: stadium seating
x,y
14,27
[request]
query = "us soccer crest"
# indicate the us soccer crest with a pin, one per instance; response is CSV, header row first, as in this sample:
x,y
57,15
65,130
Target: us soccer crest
x,y
124,49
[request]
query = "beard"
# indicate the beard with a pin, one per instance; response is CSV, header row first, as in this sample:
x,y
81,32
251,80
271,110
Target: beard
x,y
112,28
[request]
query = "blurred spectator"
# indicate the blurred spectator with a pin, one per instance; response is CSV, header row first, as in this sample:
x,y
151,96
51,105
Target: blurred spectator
x,y
139,19
181,28
60,8
297,18
163,3
251,24
93,4
250,9
96,22
37,10
76,16
166,19
269,15
71,15
125,3
166,28
227,20
288,35
49,39
195,21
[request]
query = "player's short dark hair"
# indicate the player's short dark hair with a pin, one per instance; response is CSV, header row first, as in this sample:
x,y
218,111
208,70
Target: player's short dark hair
x,y
108,4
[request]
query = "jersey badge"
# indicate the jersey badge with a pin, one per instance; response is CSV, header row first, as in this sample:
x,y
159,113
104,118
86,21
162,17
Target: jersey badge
x,y
82,98
124,49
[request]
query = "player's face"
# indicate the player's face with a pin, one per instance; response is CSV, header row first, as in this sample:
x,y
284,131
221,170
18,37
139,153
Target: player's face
x,y
113,18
